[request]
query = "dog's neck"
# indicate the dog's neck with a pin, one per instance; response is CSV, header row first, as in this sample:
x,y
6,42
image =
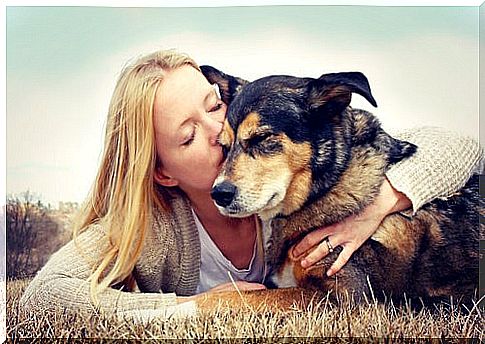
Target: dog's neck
x,y
348,197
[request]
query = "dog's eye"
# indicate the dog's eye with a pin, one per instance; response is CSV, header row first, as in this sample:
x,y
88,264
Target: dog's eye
x,y
262,144
257,139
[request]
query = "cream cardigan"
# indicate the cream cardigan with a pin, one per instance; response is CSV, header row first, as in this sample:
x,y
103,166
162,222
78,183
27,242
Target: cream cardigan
x,y
169,262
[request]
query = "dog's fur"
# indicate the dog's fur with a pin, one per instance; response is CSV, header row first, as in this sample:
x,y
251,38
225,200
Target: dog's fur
x,y
297,153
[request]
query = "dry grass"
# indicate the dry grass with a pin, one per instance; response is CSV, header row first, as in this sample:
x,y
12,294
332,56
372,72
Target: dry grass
x,y
369,322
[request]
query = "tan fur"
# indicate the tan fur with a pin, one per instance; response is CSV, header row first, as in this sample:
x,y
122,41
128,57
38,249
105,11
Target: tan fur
x,y
293,162
434,230
298,155
248,127
264,170
272,300
350,189
226,137
396,235
401,239
399,235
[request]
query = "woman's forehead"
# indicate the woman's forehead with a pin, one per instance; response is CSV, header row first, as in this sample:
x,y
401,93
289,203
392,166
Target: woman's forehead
x,y
177,87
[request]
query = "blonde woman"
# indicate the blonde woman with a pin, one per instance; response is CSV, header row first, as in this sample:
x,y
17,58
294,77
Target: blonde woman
x,y
149,220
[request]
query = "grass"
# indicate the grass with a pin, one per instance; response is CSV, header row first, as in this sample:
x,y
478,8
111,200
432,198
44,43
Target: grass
x,y
369,322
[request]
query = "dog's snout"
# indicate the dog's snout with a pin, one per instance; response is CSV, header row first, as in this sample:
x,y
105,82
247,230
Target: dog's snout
x,y
223,193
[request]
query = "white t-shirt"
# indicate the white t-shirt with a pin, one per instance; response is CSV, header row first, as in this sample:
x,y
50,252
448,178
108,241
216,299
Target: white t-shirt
x,y
215,267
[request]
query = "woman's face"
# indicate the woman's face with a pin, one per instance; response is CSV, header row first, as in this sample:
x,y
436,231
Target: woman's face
x,y
188,117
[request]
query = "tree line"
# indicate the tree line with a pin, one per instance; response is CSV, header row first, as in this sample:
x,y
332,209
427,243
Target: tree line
x,y
32,235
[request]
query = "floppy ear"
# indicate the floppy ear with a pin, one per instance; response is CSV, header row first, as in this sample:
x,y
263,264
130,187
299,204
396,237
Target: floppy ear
x,y
395,149
229,85
331,93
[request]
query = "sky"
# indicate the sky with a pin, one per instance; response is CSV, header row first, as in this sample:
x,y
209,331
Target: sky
x,y
62,64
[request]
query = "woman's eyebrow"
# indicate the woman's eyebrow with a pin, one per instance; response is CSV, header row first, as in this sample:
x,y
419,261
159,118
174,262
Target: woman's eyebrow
x,y
184,123
211,92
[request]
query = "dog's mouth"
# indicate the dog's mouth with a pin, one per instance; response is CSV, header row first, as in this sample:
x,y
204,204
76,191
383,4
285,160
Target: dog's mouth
x,y
269,203
236,209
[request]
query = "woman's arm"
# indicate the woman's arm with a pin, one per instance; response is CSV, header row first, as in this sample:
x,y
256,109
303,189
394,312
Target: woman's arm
x,y
63,282
353,231
442,164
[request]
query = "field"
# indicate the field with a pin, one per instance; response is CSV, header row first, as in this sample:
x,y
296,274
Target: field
x,y
327,322
342,322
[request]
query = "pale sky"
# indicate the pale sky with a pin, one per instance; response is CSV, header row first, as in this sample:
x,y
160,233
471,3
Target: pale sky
x,y
62,63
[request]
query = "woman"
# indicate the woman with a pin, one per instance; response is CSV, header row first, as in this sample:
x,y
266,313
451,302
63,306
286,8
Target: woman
x,y
149,218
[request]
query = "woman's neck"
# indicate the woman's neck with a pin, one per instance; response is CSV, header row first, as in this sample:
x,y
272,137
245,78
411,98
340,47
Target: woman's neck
x,y
206,210
223,230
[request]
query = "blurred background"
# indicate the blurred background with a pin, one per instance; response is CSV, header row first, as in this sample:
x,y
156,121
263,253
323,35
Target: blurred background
x,y
62,64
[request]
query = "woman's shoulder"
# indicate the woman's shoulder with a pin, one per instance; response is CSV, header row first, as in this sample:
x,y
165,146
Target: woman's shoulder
x,y
171,208
172,217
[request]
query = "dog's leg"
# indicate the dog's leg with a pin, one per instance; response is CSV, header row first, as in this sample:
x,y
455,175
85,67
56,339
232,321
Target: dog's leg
x,y
351,282
268,300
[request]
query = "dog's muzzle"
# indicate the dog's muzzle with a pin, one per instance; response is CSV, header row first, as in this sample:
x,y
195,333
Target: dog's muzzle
x,y
223,193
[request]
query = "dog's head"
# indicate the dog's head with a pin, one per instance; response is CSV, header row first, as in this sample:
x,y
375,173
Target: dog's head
x,y
278,132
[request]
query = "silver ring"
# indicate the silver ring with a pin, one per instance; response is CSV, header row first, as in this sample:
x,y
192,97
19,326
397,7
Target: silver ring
x,y
329,246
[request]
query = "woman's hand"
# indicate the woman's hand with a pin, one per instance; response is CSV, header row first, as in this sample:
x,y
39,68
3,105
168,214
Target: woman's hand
x,y
352,232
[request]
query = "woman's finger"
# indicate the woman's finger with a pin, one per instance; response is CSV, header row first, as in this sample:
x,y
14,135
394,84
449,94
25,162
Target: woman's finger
x,y
341,260
319,252
311,239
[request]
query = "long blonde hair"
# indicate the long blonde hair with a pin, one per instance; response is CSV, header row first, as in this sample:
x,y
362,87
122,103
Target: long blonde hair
x,y
124,192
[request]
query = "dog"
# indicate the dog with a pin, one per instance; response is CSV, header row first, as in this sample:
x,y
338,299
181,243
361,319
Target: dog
x,y
299,156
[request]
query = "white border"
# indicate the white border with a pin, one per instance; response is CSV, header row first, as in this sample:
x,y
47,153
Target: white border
x,y
232,3
3,180
150,3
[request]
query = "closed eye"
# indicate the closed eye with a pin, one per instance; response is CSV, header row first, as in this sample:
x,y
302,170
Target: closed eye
x,y
263,143
257,139
216,107
188,140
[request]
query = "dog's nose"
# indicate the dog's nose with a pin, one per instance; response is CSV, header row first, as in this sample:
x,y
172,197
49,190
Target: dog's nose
x,y
223,193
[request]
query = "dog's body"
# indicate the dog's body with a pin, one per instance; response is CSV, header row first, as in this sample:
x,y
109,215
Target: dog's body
x,y
298,154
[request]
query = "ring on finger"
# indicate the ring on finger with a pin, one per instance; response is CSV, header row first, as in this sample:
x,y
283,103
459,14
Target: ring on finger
x,y
329,245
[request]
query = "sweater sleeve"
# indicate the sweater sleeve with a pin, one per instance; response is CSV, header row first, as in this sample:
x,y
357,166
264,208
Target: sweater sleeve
x,y
63,282
442,164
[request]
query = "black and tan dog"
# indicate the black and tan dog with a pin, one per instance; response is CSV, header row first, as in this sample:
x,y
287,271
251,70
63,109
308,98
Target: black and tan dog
x,y
297,153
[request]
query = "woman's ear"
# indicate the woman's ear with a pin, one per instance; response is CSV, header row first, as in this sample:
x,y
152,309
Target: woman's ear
x,y
164,180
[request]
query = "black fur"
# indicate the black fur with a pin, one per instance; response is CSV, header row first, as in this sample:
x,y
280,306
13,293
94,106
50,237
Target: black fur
x,y
443,258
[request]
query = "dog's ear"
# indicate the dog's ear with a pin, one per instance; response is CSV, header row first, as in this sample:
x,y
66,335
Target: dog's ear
x,y
331,93
229,85
395,149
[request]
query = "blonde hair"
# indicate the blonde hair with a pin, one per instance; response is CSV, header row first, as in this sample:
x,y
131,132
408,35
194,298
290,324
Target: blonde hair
x,y
124,192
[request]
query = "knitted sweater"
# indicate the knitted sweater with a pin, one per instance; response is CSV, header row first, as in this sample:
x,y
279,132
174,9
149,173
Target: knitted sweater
x,y
169,262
